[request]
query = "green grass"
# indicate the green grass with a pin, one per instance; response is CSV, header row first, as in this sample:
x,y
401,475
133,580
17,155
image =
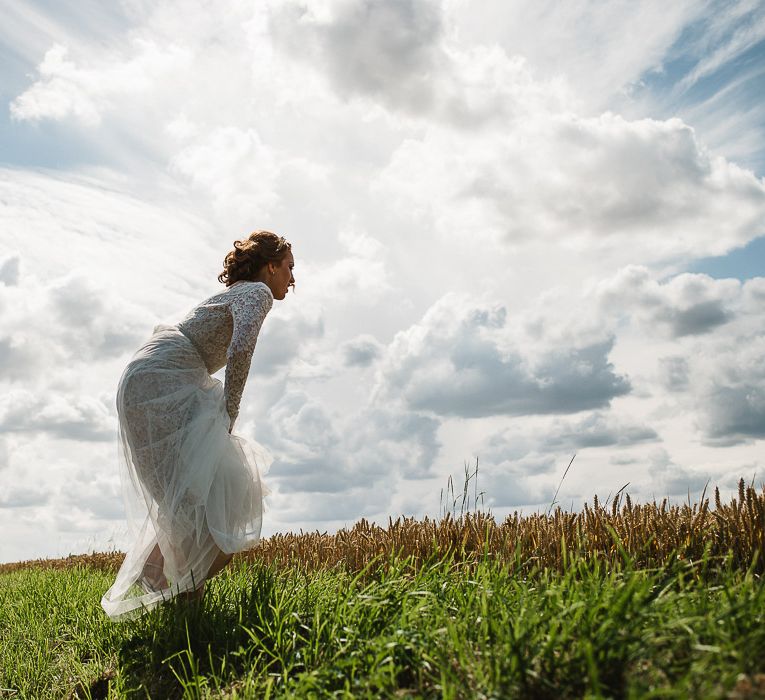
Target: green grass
x,y
445,632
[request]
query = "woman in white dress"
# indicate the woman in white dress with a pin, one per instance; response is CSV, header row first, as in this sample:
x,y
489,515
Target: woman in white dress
x,y
193,491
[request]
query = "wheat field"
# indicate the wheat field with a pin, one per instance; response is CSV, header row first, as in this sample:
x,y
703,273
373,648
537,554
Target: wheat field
x,y
645,534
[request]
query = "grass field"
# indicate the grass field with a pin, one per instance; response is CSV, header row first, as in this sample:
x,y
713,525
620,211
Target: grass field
x,y
607,617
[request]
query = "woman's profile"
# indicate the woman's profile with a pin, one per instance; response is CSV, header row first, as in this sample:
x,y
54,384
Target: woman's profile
x,y
193,491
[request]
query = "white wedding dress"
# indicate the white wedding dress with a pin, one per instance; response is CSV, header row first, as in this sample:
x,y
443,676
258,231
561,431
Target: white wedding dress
x,y
191,488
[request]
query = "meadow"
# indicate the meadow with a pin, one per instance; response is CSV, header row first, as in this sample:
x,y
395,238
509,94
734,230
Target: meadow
x,y
620,600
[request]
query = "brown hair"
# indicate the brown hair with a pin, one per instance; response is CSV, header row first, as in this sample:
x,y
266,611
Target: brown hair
x,y
251,254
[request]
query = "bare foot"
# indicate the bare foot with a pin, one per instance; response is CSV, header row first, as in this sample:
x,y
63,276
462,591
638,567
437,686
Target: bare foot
x,y
153,575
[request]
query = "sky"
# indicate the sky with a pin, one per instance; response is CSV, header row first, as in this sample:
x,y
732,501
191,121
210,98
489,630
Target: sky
x,y
524,232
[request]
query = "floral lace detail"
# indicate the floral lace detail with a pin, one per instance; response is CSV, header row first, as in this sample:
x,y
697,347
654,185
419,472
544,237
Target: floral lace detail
x,y
224,330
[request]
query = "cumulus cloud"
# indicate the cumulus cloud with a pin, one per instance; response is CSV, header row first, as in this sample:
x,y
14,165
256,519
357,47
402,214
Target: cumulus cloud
x,y
521,464
71,417
285,338
22,497
461,361
754,295
673,373
218,164
69,319
359,272
405,442
65,88
715,371
601,183
672,479
94,323
596,430
603,49
400,55
95,494
19,357
383,50
319,451
322,507
106,235
623,460
515,484
687,304
361,351
4,454
9,270
730,392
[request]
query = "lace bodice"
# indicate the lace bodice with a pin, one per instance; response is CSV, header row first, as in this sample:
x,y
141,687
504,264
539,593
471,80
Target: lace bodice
x,y
224,329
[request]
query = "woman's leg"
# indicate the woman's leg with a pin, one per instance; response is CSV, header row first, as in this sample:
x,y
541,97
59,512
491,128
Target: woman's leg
x,y
219,563
153,570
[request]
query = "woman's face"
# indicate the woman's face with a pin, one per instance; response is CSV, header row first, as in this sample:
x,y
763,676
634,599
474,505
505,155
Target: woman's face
x,y
282,278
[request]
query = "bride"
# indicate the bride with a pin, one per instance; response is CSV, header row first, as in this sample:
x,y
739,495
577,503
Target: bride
x,y
192,487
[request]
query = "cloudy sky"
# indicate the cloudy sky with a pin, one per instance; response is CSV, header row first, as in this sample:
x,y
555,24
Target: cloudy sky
x,y
523,230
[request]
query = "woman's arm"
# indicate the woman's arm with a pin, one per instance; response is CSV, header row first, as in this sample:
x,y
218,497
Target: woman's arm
x,y
248,309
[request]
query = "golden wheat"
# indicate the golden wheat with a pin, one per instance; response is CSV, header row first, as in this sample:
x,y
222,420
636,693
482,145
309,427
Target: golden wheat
x,y
645,535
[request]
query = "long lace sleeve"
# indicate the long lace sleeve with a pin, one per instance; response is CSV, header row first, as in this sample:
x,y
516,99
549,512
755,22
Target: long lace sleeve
x,y
248,310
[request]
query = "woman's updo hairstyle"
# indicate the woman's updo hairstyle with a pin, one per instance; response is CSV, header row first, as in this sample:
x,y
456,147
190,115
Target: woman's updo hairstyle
x,y
251,254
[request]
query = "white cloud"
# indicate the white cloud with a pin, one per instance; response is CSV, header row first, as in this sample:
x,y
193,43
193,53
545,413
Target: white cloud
x,y
321,507
9,271
286,338
398,55
523,463
716,372
461,360
600,184
596,430
673,373
68,321
99,496
601,49
519,483
66,416
66,89
22,497
318,450
729,390
361,351
674,480
360,272
219,163
389,51
104,228
688,304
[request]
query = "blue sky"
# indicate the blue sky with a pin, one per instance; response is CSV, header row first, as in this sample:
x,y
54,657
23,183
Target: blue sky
x,y
522,230
715,70
742,263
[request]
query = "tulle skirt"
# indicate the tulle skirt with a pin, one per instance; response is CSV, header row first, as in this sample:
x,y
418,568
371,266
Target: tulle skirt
x,y
192,490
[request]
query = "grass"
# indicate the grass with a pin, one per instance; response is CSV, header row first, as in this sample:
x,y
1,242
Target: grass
x,y
496,630
621,600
